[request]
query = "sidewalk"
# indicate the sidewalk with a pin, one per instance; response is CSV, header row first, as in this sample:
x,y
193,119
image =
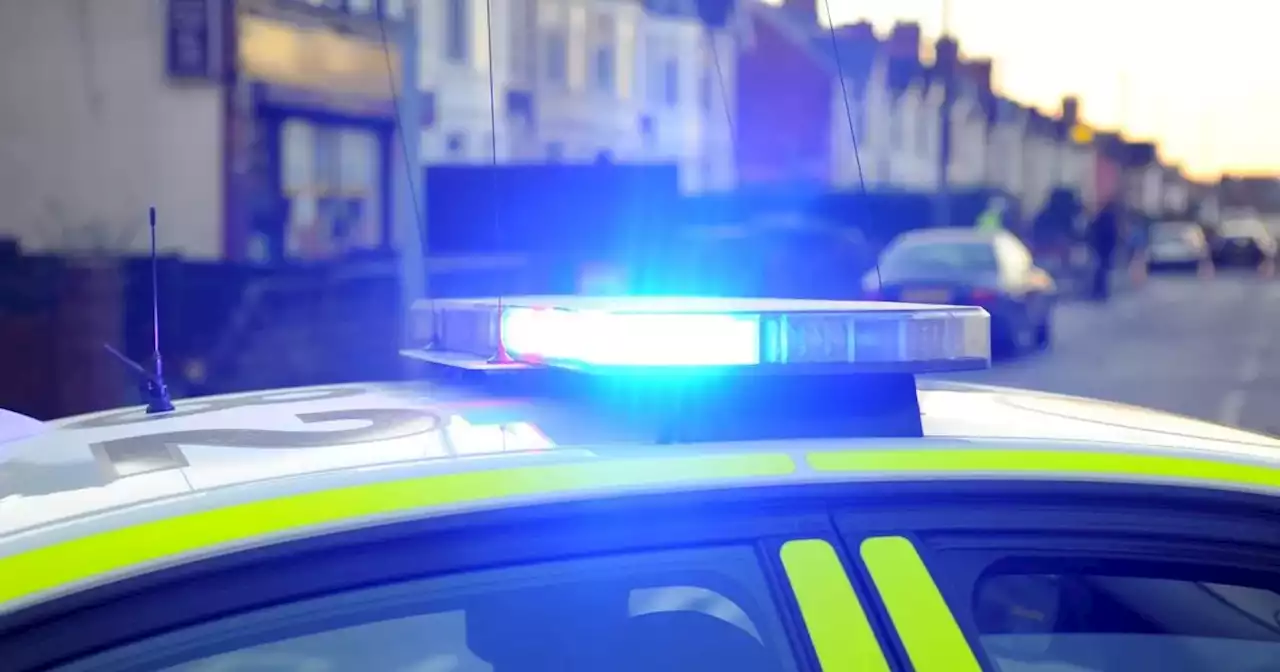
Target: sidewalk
x,y
1074,279
1075,286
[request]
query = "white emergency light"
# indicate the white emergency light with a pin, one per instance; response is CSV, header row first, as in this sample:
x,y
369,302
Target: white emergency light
x,y
778,335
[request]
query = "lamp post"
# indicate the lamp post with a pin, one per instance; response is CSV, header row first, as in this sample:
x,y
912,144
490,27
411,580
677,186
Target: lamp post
x,y
409,216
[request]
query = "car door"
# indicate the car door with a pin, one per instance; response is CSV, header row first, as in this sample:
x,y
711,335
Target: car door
x,y
1079,578
733,581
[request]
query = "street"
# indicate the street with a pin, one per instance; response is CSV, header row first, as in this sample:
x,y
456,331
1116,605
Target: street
x,y
1199,347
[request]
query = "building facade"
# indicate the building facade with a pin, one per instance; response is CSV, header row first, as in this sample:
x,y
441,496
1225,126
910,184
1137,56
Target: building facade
x,y
262,130
93,129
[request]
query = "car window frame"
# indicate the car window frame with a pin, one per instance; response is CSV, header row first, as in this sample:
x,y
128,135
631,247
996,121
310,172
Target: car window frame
x,y
1111,518
128,610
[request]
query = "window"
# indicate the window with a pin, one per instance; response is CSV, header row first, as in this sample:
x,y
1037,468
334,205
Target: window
x,y
705,609
361,6
655,57
1140,620
523,29
604,61
1235,228
457,39
556,50
1188,232
671,81
456,146
938,260
923,134
393,9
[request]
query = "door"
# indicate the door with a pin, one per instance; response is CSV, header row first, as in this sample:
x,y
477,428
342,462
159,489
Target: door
x,y
1088,583
628,585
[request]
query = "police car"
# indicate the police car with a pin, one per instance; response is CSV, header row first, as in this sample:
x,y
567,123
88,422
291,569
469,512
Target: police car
x,y
645,484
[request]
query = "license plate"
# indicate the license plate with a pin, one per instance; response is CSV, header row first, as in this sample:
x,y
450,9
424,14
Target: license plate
x,y
926,296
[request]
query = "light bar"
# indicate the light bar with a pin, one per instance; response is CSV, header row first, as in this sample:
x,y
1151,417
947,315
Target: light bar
x,y
662,332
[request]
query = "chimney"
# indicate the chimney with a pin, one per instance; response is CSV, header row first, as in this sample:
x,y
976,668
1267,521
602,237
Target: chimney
x,y
980,73
1070,110
805,11
860,31
946,53
904,41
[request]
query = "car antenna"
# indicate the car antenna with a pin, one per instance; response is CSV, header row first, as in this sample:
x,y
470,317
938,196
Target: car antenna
x,y
157,392
501,356
853,133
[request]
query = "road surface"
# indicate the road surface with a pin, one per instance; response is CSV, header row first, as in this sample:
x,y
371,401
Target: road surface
x,y
1208,348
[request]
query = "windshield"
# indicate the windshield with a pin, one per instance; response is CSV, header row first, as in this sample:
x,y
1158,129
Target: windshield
x,y
1172,231
1241,228
940,259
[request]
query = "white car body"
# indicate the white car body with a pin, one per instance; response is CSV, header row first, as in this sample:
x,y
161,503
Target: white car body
x,y
1177,243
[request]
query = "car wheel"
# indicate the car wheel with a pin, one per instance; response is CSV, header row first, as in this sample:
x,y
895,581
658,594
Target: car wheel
x,y
1044,334
1024,338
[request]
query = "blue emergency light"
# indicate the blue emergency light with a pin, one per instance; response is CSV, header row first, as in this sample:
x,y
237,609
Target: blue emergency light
x,y
683,333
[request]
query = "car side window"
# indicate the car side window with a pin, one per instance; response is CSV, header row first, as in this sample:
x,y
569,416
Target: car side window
x,y
1092,618
696,609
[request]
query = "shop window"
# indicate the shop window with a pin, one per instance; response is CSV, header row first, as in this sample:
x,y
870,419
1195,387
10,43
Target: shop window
x,y
331,178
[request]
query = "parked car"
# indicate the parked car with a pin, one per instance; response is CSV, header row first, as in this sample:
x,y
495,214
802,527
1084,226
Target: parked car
x,y
1245,242
1177,245
994,270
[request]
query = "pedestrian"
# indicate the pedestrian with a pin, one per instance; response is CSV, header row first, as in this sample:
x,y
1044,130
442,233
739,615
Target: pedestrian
x,y
1139,240
992,218
1053,228
1104,234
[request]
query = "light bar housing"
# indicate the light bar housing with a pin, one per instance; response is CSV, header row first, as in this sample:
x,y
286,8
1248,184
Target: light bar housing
x,y
664,333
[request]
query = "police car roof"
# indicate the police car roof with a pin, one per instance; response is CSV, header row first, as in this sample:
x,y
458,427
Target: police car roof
x,y
86,464
95,475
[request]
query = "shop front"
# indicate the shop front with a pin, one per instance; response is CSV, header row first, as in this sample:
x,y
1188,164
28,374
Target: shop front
x,y
312,135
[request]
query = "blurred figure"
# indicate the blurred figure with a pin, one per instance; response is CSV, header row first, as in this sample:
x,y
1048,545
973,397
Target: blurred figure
x,y
992,218
1104,234
1139,244
1054,231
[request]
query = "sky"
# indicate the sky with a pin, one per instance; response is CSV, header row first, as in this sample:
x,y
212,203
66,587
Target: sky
x,y
1194,76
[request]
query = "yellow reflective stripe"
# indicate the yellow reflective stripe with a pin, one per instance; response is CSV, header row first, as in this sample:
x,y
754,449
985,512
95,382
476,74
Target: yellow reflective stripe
x,y
31,572
925,625
1063,464
833,614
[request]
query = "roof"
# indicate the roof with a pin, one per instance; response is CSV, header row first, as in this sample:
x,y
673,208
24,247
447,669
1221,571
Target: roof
x,y
857,51
92,497
800,35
